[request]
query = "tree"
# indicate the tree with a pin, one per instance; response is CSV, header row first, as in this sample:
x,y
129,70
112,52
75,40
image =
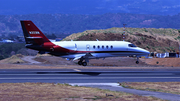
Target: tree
x,y
179,30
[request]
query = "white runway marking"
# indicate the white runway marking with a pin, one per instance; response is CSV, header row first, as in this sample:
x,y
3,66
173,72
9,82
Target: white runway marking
x,y
77,70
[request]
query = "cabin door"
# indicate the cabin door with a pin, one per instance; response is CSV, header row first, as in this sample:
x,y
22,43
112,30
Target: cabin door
x,y
75,47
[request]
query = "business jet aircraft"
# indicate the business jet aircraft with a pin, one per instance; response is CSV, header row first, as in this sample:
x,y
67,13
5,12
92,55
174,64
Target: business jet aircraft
x,y
78,50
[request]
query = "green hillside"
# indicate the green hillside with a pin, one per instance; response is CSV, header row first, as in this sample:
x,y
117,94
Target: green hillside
x,y
152,39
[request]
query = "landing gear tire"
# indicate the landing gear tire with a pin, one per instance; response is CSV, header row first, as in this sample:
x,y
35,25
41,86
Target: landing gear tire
x,y
84,63
80,63
137,62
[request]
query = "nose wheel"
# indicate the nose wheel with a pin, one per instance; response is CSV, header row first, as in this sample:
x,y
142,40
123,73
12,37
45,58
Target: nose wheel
x,y
137,62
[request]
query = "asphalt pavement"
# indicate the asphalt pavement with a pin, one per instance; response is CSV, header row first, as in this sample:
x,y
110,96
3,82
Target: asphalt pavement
x,y
97,78
87,75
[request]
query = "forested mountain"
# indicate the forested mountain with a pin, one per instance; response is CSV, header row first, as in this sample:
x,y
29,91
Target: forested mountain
x,y
66,24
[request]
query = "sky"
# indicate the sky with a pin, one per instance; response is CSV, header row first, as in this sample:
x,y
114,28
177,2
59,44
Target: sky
x,y
157,7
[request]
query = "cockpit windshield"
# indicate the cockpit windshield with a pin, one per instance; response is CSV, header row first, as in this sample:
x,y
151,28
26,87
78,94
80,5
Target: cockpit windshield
x,y
131,45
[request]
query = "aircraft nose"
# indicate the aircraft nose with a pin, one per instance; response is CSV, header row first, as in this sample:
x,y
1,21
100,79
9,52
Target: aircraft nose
x,y
147,52
144,52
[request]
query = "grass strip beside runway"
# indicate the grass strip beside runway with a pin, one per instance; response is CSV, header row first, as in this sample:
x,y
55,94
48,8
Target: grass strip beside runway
x,y
166,87
54,92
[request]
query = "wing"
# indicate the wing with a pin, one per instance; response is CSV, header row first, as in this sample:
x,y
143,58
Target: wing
x,y
86,56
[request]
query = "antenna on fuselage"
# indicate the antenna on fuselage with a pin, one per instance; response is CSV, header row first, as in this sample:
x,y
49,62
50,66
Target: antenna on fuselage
x,y
124,28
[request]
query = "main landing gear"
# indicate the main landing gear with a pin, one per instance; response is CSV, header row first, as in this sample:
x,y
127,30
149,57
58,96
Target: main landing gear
x,y
82,63
84,59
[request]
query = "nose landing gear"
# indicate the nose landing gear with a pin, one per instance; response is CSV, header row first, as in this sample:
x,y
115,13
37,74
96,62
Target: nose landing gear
x,y
137,62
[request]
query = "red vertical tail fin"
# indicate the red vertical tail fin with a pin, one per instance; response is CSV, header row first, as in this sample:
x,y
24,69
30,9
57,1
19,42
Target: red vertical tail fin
x,y
36,40
32,34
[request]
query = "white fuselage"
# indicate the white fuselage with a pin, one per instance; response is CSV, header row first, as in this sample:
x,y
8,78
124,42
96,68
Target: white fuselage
x,y
101,49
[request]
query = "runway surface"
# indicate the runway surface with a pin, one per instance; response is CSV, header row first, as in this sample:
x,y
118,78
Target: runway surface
x,y
97,78
87,75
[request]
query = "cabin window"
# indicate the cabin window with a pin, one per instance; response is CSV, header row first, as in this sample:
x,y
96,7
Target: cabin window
x,y
98,47
107,47
111,47
102,47
94,47
131,45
